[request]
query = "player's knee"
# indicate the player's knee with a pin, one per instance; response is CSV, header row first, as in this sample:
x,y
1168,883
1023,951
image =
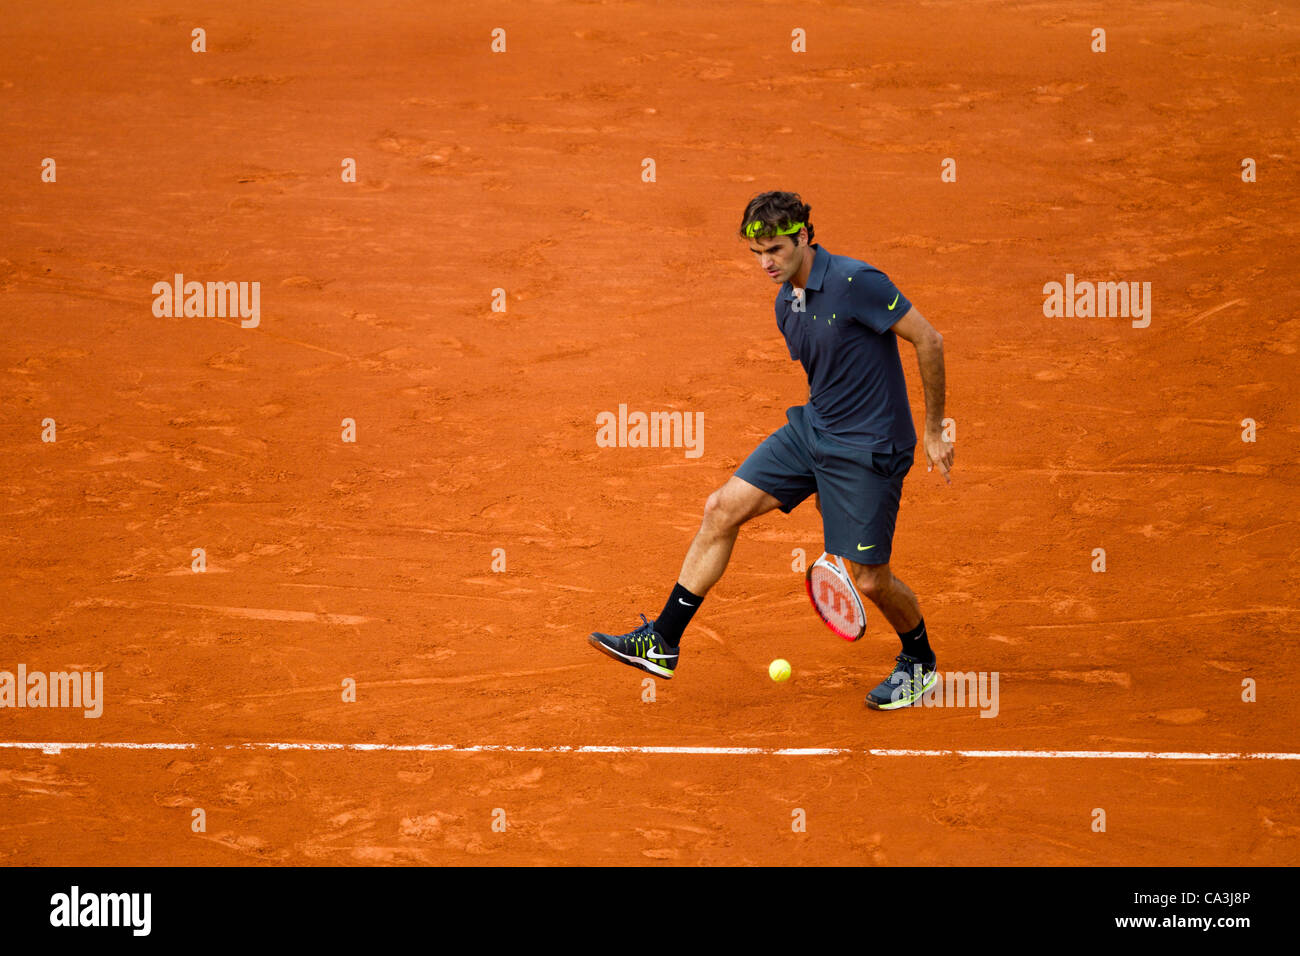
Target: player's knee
x,y
874,581
720,513
715,512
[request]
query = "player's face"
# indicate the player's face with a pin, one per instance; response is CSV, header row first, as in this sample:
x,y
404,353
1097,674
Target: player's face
x,y
778,255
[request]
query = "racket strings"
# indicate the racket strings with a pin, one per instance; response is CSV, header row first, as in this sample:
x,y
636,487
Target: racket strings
x,y
836,599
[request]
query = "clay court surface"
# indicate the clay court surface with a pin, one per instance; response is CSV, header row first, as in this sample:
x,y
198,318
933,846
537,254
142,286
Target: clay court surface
x,y
476,429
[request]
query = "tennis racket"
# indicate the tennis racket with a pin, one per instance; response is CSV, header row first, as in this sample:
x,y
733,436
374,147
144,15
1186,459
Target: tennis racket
x,y
834,598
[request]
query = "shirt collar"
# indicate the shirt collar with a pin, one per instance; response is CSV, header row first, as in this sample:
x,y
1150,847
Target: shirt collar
x,y
816,275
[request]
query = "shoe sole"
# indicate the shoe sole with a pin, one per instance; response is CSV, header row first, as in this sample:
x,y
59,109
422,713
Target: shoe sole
x,y
640,662
930,681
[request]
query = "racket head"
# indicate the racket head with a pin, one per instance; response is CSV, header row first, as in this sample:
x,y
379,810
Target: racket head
x,y
834,598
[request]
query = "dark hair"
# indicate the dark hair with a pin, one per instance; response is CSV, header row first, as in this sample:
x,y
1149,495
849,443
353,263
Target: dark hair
x,y
776,210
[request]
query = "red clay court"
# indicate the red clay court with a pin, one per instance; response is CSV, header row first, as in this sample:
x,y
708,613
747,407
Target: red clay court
x,y
372,561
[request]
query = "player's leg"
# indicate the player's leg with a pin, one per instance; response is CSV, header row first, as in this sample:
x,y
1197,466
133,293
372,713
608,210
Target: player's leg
x,y
724,512
860,495
897,603
914,670
778,474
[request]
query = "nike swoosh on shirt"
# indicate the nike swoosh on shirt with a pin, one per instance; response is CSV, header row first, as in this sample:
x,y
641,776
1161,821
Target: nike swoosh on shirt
x,y
894,303
861,548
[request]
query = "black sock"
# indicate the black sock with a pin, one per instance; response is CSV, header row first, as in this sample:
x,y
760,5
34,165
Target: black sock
x,y
916,643
677,613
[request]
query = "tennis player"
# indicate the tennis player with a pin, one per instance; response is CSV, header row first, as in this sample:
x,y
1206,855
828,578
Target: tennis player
x,y
851,445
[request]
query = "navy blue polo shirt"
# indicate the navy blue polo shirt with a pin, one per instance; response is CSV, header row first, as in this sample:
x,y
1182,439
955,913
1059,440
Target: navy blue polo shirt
x,y
844,339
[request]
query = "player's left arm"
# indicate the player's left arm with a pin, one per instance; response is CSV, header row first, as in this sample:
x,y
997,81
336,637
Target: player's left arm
x,y
927,341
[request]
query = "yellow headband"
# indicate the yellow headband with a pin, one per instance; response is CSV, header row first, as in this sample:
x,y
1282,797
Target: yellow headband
x,y
757,226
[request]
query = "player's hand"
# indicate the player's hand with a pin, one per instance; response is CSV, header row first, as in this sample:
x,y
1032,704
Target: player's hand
x,y
938,452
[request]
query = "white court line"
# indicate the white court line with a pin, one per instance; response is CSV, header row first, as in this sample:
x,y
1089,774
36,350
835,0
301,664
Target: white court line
x,y
54,747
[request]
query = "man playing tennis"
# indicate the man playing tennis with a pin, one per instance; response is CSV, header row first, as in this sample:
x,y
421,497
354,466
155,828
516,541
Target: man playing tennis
x,y
851,445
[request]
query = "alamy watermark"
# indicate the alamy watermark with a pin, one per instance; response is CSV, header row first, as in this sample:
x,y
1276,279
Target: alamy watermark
x,y
1086,300
952,689
210,300
84,689
75,908
652,430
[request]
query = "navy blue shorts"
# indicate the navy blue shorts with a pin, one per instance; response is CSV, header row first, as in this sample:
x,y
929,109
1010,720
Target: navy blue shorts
x,y
860,490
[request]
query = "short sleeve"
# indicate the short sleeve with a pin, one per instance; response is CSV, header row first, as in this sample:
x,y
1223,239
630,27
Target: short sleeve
x,y
876,301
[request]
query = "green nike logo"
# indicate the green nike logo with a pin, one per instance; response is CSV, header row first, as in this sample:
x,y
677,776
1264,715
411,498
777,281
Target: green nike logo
x,y
894,303
867,548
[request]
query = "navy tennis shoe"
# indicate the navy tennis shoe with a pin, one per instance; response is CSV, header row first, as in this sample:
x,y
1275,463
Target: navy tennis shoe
x,y
910,679
643,648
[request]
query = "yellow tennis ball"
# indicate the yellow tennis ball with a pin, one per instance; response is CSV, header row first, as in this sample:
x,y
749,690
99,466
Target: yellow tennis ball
x,y
779,670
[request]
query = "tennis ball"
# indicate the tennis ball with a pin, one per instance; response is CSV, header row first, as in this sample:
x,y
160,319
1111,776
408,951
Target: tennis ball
x,y
779,670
